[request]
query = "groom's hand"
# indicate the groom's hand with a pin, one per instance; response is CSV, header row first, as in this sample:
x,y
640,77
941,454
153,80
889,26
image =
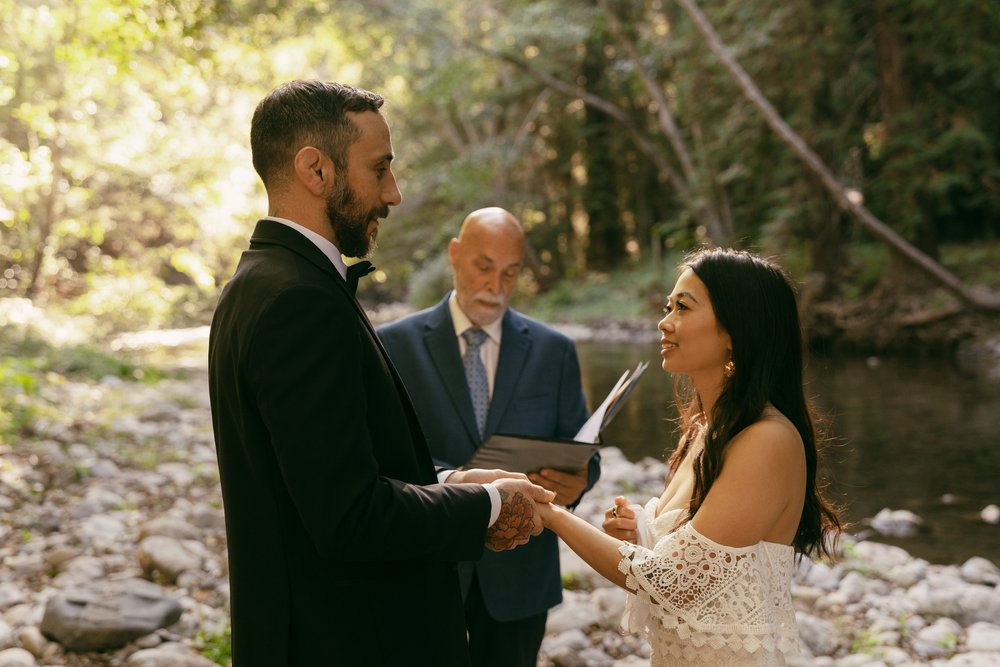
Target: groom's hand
x,y
519,521
482,476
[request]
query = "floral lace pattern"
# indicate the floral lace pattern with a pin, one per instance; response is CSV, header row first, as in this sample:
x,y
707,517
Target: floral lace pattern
x,y
702,603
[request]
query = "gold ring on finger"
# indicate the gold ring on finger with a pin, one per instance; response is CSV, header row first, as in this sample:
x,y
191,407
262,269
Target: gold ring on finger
x,y
614,511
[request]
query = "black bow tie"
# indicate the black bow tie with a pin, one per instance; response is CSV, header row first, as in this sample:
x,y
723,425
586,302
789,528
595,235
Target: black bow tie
x,y
357,271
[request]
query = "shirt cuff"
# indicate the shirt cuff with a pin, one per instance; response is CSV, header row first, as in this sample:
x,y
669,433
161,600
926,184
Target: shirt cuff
x,y
494,503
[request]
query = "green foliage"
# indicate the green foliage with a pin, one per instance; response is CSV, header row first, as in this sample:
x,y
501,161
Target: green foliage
x,y
572,581
216,645
633,293
430,282
126,189
866,642
24,358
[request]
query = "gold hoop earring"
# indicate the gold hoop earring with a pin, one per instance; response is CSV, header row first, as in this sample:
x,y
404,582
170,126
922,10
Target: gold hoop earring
x,y
729,369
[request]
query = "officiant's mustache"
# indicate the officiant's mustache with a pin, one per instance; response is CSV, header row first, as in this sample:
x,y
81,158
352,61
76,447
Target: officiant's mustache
x,y
489,298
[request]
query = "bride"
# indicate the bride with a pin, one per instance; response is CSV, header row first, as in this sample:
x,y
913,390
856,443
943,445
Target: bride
x,y
709,563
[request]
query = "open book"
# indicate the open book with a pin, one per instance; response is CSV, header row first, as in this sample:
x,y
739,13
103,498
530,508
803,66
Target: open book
x,y
517,453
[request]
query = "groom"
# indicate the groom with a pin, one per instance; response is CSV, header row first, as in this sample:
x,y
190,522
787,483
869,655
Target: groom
x,y
342,542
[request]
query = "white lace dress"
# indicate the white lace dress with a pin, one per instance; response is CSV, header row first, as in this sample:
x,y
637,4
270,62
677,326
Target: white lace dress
x,y
701,603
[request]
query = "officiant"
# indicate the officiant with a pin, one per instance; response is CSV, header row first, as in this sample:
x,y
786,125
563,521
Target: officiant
x,y
473,366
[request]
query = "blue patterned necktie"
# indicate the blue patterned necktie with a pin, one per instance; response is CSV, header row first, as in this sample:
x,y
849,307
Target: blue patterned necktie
x,y
475,375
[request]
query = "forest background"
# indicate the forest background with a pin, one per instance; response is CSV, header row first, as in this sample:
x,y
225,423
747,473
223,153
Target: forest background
x,y
610,128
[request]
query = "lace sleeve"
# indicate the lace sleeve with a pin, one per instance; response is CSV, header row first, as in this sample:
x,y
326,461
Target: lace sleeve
x,y
711,594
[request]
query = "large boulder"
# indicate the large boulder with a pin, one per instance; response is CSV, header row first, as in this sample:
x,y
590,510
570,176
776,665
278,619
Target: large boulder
x,y
108,614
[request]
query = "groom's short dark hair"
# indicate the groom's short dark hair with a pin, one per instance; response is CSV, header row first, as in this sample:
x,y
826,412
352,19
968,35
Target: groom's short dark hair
x,y
306,113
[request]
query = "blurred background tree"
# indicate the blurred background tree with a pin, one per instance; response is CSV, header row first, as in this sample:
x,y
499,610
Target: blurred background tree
x,y
608,127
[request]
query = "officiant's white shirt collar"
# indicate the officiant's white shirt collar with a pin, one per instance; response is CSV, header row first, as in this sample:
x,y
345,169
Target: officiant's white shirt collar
x,y
327,248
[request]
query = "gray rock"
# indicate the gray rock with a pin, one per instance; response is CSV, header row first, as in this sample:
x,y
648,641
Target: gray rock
x,y
166,558
975,659
898,523
878,557
979,570
891,654
32,640
595,657
564,648
10,595
208,518
983,637
101,531
104,469
991,514
25,564
16,657
168,526
908,573
6,635
818,635
611,603
106,615
178,473
22,614
632,661
96,501
574,612
168,655
80,570
823,576
938,639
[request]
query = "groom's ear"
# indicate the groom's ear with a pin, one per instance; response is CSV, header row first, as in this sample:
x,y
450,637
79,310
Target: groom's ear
x,y
314,170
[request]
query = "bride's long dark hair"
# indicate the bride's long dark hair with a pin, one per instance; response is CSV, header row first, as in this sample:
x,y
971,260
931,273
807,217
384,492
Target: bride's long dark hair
x,y
754,302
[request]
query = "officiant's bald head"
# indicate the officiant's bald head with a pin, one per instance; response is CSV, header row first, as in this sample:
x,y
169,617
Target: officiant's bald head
x,y
486,259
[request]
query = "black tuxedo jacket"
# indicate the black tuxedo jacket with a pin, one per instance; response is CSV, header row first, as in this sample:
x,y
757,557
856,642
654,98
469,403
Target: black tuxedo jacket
x,y
342,546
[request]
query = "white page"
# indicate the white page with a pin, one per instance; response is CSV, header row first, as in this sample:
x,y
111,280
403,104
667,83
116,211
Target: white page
x,y
591,431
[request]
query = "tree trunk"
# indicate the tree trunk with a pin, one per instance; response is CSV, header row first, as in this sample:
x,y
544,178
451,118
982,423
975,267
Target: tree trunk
x,y
45,224
847,201
606,238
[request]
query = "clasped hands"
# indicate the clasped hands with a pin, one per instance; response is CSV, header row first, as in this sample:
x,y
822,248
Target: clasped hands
x,y
524,500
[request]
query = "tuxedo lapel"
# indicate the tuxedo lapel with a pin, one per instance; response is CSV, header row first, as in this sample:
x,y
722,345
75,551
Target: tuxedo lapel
x,y
515,344
271,233
442,347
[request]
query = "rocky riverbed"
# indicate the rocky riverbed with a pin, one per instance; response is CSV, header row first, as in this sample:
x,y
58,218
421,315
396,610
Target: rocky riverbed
x,y
112,552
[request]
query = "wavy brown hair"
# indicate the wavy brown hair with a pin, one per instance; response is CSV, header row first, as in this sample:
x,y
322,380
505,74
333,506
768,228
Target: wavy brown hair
x,y
754,302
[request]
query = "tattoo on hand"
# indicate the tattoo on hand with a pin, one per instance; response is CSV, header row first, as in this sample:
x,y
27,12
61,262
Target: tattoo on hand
x,y
514,525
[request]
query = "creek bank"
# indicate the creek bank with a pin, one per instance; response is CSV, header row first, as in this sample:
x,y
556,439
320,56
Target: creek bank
x,y
117,483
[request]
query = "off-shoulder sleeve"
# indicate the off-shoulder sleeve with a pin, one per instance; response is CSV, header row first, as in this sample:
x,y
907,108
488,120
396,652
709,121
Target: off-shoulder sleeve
x,y
710,594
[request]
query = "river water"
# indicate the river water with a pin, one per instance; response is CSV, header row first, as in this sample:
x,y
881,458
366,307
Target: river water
x,y
913,434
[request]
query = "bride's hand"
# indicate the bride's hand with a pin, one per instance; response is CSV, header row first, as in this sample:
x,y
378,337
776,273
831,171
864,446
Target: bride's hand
x,y
619,521
546,512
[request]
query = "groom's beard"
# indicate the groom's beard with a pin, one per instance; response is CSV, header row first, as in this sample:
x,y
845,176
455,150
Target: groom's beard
x,y
350,222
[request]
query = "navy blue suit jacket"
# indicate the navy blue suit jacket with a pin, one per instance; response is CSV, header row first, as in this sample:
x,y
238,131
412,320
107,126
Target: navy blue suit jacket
x,y
537,392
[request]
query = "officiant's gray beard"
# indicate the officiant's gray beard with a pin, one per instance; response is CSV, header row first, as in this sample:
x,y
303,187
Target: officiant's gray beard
x,y
350,222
